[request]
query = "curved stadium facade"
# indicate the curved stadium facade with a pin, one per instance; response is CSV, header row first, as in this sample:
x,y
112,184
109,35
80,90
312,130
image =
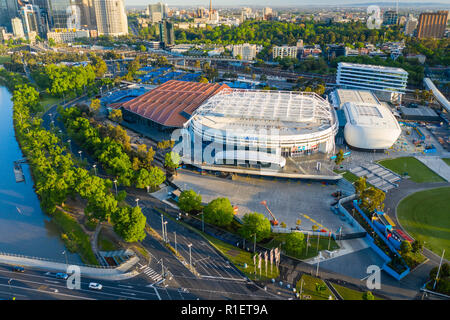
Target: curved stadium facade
x,y
263,127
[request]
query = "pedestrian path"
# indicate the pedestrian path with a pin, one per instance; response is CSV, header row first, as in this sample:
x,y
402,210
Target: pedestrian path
x,y
152,274
437,165
377,176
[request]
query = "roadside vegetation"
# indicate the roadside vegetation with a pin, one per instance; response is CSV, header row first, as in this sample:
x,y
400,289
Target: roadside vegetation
x,y
311,288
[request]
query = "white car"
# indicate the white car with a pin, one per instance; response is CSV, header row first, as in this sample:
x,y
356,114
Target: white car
x,y
95,286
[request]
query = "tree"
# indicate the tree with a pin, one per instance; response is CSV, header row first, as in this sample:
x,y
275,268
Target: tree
x,y
405,247
172,160
189,201
203,80
372,199
339,157
219,212
130,224
95,106
360,185
368,296
417,246
142,48
116,115
294,243
149,158
157,177
255,223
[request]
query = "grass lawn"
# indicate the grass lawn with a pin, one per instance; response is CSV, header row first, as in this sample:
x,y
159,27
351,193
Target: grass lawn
x,y
415,169
75,239
348,175
308,289
4,59
279,238
350,294
104,244
446,160
238,257
425,215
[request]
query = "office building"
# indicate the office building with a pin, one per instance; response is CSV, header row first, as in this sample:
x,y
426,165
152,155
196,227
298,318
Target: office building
x,y
410,25
432,25
166,34
8,9
334,51
284,52
390,17
17,28
387,83
33,20
159,8
111,18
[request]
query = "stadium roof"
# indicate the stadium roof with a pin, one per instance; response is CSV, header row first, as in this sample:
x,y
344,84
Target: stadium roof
x,y
342,96
370,115
289,112
172,103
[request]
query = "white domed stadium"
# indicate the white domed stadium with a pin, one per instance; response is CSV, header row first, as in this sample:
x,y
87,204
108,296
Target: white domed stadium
x,y
264,126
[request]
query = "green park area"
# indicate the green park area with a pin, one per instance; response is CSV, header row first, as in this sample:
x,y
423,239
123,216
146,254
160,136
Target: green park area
x,y
240,257
416,170
311,288
350,294
348,175
446,160
424,215
4,59
325,243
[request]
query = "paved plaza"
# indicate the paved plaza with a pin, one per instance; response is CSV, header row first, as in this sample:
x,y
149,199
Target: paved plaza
x,y
289,200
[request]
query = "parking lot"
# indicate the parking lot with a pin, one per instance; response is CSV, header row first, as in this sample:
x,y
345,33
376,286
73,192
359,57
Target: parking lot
x,y
289,200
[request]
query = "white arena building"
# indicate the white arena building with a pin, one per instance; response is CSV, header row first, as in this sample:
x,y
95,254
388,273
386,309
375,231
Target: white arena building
x,y
370,124
264,127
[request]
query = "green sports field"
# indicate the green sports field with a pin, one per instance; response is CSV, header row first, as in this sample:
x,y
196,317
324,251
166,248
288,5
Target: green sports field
x,y
425,215
417,171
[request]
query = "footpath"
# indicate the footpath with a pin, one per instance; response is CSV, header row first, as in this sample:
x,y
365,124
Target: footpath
x,y
125,271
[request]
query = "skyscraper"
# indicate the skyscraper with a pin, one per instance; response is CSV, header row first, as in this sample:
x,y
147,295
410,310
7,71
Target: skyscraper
x,y
166,33
390,17
8,9
32,20
60,13
111,17
410,25
432,25
158,9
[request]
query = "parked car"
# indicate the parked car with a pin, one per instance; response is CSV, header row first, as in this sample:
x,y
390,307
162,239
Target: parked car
x,y
62,275
95,286
18,269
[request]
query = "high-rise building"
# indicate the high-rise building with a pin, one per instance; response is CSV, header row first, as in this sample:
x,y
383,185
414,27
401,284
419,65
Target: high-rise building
x,y
410,25
33,21
17,28
432,25
387,83
166,34
111,17
390,17
8,9
245,51
87,14
267,12
60,13
158,8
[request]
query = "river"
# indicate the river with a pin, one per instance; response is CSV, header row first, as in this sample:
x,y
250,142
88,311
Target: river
x,y
24,228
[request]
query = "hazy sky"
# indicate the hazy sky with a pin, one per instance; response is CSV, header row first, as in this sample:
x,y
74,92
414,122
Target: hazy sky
x,y
272,3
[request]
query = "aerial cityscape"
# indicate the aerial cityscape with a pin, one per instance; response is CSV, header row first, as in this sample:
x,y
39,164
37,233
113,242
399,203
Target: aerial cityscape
x,y
212,150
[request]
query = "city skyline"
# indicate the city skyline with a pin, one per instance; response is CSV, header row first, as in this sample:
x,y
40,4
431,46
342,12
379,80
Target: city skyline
x,y
282,3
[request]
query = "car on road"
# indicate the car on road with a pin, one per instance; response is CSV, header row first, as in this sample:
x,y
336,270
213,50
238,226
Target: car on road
x,y
18,269
61,275
95,286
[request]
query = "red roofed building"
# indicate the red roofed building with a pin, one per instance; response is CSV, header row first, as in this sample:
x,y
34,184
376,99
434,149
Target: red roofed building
x,y
171,104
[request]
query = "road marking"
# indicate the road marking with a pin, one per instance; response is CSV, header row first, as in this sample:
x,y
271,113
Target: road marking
x,y
121,285
57,282
128,293
224,278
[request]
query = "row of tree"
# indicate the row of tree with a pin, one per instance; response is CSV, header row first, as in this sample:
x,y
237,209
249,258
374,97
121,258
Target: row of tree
x,y
57,177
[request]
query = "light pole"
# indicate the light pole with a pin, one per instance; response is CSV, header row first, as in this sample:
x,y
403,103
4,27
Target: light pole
x,y
115,185
165,232
162,226
80,152
137,202
95,169
65,253
10,291
175,234
190,256
318,262
70,145
439,269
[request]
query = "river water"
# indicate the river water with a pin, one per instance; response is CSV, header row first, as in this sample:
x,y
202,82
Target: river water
x,y
24,228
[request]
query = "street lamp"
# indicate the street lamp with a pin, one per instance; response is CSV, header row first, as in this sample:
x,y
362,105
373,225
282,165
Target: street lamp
x,y
137,202
70,145
190,256
65,253
115,185
95,169
80,152
165,232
